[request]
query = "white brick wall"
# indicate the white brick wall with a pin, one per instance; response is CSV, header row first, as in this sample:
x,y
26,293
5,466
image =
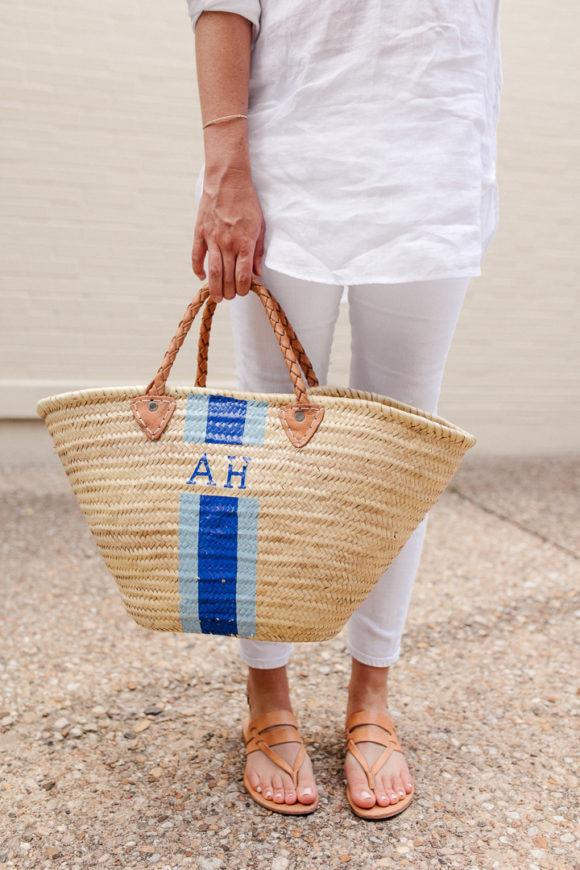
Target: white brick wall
x,y
99,154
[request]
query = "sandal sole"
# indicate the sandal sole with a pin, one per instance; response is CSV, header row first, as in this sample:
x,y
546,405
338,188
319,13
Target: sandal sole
x,y
296,809
377,812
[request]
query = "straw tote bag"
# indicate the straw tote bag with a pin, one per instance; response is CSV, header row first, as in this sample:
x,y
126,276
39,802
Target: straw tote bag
x,y
262,515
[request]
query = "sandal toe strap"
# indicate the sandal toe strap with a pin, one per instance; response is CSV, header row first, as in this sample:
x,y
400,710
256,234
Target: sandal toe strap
x,y
301,755
277,759
366,726
374,734
285,732
271,738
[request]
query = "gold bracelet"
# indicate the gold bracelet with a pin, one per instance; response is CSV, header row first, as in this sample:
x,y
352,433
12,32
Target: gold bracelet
x,y
224,118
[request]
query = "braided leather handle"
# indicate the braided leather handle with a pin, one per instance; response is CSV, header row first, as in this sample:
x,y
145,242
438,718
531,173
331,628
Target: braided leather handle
x,y
277,320
204,338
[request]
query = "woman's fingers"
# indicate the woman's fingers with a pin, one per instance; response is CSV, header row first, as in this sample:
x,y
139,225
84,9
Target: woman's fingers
x,y
228,273
215,272
198,254
243,271
229,261
259,250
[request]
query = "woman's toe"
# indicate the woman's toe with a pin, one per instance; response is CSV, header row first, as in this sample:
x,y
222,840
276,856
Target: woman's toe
x,y
305,794
288,789
381,797
406,778
359,789
381,793
278,788
398,787
392,792
254,778
306,789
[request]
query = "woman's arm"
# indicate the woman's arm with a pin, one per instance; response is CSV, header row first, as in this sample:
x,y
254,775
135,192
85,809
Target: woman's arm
x,y
230,225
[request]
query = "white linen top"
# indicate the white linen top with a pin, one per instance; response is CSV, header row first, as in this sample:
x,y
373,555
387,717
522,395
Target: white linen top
x,y
372,135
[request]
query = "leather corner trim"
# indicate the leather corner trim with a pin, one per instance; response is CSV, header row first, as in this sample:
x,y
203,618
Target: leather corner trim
x,y
153,413
301,430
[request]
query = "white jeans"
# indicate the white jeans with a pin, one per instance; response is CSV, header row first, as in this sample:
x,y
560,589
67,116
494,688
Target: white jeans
x,y
400,338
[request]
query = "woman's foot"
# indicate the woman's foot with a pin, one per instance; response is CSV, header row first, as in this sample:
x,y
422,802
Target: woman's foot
x,y
368,691
268,690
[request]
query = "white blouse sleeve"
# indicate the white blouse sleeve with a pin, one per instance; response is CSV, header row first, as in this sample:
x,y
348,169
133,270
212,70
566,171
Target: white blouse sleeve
x,y
250,9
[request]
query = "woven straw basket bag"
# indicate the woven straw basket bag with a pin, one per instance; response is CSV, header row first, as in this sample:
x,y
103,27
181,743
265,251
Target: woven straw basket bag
x,y
263,515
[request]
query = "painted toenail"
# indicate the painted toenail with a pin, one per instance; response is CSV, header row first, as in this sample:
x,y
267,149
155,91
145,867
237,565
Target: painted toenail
x,y
308,791
365,794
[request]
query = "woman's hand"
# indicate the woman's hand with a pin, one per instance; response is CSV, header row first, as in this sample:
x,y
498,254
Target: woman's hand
x,y
230,228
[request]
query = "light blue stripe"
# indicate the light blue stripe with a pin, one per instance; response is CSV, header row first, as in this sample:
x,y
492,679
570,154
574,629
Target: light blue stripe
x,y
255,422
188,572
247,560
196,417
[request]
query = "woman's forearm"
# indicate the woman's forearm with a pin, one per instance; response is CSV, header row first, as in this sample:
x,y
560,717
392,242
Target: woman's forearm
x,y
230,226
222,48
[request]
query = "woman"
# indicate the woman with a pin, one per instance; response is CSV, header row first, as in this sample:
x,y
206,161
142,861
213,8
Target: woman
x,y
345,146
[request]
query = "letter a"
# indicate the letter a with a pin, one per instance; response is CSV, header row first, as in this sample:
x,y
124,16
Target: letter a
x,y
199,473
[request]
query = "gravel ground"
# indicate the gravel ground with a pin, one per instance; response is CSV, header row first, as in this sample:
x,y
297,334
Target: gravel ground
x,y
121,747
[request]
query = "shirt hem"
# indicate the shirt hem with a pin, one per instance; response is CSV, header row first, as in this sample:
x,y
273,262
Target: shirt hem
x,y
303,275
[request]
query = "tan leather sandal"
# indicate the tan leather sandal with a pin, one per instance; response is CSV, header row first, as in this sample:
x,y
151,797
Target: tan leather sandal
x,y
364,726
256,737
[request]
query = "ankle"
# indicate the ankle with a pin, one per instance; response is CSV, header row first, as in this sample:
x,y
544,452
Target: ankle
x,y
268,689
367,688
371,701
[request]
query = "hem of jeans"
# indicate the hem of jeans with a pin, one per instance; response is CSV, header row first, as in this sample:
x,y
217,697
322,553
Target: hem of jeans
x,y
260,663
373,661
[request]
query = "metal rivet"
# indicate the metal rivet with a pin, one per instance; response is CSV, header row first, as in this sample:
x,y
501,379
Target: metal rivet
x,y
299,415
152,406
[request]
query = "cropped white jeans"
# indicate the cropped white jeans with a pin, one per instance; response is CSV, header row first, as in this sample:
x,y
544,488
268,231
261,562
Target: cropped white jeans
x,y
400,338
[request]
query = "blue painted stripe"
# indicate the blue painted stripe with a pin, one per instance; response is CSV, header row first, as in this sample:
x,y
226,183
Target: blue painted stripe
x,y
217,419
187,548
226,418
195,417
217,560
255,427
247,562
218,550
